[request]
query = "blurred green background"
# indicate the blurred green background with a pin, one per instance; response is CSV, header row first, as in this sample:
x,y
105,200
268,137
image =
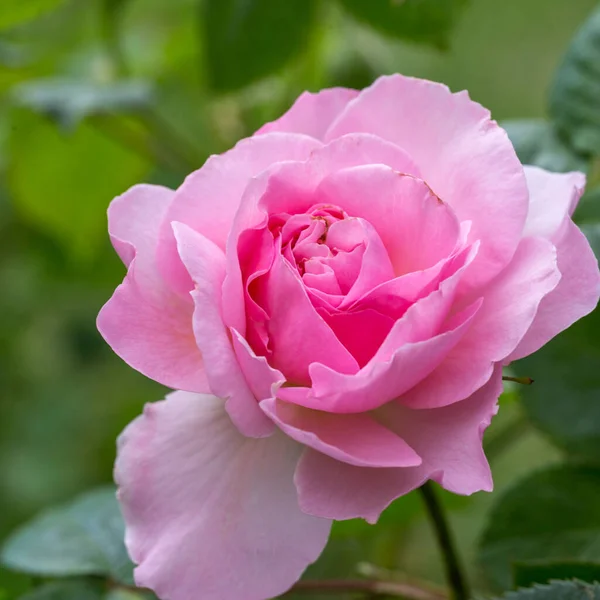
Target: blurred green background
x,y
98,95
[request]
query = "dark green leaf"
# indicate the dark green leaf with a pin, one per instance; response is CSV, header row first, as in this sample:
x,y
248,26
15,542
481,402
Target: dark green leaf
x,y
563,401
557,590
246,40
574,104
537,143
65,590
552,515
588,209
81,538
526,574
427,21
15,12
67,196
592,233
69,101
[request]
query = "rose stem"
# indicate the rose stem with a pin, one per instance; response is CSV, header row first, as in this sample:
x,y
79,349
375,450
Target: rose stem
x,y
454,574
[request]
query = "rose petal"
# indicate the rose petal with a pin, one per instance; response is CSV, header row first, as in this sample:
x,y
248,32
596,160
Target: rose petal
x,y
205,263
510,304
416,345
463,155
356,439
448,440
415,226
312,114
299,335
209,198
553,198
208,511
144,322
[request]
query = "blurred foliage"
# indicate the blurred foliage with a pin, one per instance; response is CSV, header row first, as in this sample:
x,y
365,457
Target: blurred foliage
x,y
98,95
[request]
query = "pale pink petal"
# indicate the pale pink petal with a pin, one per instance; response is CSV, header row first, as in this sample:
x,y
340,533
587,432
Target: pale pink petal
x,y
448,440
205,263
463,155
510,304
209,198
312,114
210,513
134,221
415,226
356,439
145,322
553,198
262,378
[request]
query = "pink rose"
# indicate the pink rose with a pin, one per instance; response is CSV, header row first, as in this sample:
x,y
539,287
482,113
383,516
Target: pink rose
x,y
335,298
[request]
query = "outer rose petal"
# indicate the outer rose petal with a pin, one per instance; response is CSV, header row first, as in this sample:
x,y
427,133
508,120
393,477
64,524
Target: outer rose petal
x,y
356,439
554,197
312,114
509,306
206,265
463,155
211,514
448,440
209,198
144,322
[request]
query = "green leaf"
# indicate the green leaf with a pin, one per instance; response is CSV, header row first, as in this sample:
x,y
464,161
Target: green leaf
x,y
553,515
65,590
563,401
120,594
84,537
537,143
63,184
574,104
246,40
526,574
426,21
592,233
588,209
16,12
69,101
557,590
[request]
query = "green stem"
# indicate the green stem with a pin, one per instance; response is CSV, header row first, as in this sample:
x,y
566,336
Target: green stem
x,y
454,572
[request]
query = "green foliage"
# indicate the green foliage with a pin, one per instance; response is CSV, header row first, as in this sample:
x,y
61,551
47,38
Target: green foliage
x,y
426,21
574,97
246,40
553,515
86,171
70,101
66,590
84,537
526,574
537,143
16,12
563,401
557,590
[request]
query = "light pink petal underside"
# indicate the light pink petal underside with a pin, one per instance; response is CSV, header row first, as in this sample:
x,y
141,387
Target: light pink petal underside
x,y
209,513
312,114
448,440
206,265
145,322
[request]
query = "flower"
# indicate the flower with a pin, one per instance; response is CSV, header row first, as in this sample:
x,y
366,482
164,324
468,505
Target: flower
x,y
334,298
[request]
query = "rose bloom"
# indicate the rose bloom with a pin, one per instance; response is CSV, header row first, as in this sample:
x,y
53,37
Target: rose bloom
x,y
334,299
